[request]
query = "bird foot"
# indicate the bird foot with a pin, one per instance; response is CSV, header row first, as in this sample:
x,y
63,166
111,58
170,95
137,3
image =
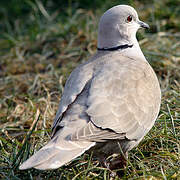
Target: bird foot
x,y
119,163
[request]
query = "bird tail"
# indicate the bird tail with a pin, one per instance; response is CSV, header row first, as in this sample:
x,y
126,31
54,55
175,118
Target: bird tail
x,y
55,154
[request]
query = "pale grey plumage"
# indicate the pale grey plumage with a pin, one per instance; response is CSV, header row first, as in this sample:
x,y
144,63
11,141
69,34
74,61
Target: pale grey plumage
x,y
113,97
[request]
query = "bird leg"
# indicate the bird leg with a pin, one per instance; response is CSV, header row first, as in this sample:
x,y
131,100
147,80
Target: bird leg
x,y
119,163
106,164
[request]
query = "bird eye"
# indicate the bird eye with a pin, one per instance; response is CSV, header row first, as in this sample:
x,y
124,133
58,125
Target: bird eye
x,y
129,18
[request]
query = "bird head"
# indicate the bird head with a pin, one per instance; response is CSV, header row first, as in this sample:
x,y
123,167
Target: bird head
x,y
118,26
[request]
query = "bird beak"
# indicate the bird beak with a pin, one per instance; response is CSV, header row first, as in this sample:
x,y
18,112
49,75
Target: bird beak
x,y
143,25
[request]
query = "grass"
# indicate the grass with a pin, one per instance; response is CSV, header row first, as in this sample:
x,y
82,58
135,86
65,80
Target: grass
x,y
36,58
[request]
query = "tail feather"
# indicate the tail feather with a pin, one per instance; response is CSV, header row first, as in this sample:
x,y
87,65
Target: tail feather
x,y
60,159
53,156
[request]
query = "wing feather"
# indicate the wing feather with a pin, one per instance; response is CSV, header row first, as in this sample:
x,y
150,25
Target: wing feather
x,y
124,97
122,100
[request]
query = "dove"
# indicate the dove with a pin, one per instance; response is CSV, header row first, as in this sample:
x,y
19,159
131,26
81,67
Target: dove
x,y
109,103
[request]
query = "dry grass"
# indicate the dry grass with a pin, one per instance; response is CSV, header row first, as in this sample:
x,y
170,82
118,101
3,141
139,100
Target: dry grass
x,y
33,71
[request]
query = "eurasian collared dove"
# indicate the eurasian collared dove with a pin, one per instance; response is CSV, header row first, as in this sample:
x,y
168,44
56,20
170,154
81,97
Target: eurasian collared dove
x,y
110,102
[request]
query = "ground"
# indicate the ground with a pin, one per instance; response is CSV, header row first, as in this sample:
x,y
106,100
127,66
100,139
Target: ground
x,y
40,44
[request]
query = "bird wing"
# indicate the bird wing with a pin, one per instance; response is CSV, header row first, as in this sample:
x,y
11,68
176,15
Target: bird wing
x,y
73,87
124,97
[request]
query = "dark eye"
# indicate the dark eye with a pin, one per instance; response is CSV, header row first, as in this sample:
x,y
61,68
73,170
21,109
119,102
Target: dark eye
x,y
129,18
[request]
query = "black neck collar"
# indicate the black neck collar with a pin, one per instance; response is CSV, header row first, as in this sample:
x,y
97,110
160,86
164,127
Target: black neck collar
x,y
125,46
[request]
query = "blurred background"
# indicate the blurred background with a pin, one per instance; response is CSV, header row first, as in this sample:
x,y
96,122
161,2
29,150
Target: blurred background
x,y
41,42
